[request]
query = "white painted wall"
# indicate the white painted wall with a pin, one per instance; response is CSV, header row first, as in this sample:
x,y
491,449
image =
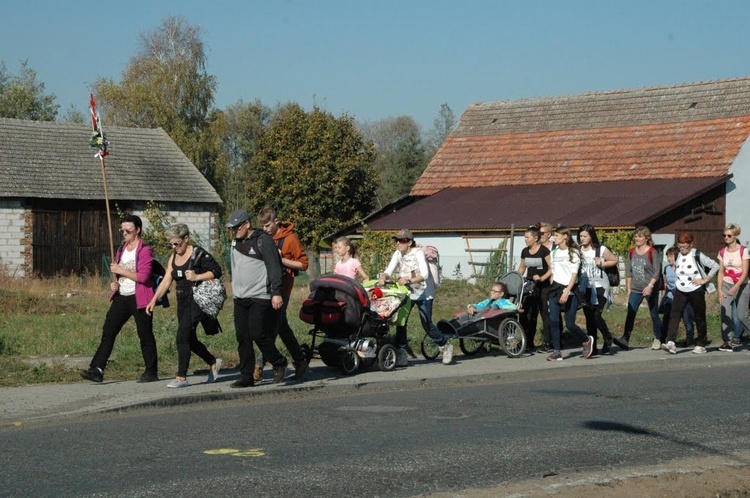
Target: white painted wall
x,y
738,200
12,236
202,230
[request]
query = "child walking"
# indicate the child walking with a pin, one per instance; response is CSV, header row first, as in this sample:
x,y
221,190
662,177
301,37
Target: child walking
x,y
348,265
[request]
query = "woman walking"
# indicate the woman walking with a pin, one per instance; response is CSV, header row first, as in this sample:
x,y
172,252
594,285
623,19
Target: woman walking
x,y
734,294
188,265
595,284
642,271
535,263
566,261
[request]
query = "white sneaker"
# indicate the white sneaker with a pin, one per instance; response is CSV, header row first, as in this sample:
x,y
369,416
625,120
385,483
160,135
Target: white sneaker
x,y
699,350
656,345
214,374
176,383
669,347
402,357
447,350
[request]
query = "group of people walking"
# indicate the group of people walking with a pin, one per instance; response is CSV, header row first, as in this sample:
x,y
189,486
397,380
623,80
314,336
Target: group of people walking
x,y
569,274
264,263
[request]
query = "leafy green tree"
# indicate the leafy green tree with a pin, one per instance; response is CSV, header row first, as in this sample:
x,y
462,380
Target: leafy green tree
x,y
400,158
166,85
73,115
315,169
22,96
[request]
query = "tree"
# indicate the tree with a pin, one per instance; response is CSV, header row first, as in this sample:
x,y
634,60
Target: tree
x,y
315,169
401,156
166,85
442,127
73,115
22,96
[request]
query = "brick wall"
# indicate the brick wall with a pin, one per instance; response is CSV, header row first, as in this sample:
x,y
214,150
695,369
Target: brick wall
x,y
15,237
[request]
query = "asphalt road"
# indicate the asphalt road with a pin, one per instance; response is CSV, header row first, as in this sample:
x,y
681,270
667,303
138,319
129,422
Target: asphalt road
x,y
389,444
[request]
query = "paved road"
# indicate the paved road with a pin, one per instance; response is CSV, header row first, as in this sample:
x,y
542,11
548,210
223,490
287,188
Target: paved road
x,y
472,431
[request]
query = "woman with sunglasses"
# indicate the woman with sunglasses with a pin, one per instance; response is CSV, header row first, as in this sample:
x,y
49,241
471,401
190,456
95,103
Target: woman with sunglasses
x,y
734,294
129,294
535,266
187,265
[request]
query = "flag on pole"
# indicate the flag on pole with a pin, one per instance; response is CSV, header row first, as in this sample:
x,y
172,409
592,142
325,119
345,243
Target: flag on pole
x,y
98,138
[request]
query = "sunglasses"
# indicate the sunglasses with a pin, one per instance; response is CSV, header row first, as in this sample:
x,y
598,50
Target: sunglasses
x,y
174,245
728,235
237,227
127,232
403,241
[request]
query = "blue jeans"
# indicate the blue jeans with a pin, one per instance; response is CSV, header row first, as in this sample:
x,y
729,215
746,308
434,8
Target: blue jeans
x,y
634,301
570,307
425,316
733,311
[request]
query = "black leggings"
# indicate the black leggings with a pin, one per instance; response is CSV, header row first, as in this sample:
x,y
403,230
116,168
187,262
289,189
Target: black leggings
x,y
188,318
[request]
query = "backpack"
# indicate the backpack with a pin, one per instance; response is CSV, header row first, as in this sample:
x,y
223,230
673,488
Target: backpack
x,y
660,283
157,275
432,256
612,272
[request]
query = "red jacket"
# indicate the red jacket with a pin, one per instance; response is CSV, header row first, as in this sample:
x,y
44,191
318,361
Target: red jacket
x,y
144,258
290,248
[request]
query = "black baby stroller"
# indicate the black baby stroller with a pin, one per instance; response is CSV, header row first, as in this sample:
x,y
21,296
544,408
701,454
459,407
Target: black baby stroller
x,y
353,335
500,327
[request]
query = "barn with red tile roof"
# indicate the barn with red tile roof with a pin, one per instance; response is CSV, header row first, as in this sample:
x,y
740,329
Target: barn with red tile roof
x,y
673,158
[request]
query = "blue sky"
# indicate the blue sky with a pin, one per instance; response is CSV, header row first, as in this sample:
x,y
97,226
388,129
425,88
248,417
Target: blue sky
x,y
373,59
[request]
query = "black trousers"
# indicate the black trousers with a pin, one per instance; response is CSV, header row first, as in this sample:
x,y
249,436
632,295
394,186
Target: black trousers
x,y
255,321
286,334
593,313
697,300
120,311
188,318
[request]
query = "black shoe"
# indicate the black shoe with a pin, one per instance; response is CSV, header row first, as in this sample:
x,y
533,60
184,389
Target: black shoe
x,y
621,342
687,343
93,374
546,348
300,369
279,372
148,377
242,383
594,352
607,347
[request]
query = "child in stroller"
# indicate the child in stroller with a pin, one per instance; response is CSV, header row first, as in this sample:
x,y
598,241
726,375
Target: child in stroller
x,y
494,320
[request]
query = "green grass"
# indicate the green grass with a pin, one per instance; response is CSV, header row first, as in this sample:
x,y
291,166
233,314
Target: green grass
x,y
64,316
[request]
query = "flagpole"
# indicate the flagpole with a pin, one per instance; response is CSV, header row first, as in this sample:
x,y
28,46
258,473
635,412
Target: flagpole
x,y
96,125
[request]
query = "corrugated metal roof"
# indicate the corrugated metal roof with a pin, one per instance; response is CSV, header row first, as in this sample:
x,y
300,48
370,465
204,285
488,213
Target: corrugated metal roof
x,y
52,160
603,204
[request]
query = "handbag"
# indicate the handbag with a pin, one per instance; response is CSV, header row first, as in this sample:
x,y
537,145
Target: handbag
x,y
210,295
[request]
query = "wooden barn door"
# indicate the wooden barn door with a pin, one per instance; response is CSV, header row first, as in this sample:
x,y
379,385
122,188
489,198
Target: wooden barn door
x,y
70,241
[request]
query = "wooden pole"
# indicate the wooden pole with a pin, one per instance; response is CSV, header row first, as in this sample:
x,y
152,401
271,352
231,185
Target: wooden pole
x,y
109,214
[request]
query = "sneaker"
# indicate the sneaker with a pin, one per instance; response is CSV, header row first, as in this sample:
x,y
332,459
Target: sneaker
x,y
621,342
588,348
147,377
656,345
402,357
555,356
93,374
447,350
213,373
607,347
669,347
699,350
736,343
546,348
258,373
300,369
725,346
238,384
176,383
687,343
279,372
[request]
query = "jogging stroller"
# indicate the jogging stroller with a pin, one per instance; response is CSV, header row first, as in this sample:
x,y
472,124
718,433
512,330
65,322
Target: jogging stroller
x,y
500,327
351,328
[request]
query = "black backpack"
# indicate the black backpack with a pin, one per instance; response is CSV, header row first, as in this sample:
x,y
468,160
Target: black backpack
x,y
612,272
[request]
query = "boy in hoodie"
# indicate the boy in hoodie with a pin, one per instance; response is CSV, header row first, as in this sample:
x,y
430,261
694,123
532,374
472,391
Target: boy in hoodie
x,y
294,260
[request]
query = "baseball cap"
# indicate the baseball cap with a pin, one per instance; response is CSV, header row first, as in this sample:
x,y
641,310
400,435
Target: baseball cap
x,y
237,217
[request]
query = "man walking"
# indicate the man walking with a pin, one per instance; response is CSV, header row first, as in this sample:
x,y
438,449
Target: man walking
x,y
256,283
294,260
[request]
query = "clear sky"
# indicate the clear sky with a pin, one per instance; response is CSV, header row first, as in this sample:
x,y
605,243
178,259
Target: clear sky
x,y
372,59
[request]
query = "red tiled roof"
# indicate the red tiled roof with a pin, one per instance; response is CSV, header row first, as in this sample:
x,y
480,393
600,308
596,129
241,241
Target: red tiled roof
x,y
688,131
603,204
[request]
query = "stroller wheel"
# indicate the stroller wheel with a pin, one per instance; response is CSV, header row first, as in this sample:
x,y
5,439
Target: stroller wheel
x,y
349,361
430,348
470,346
387,357
366,363
512,338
